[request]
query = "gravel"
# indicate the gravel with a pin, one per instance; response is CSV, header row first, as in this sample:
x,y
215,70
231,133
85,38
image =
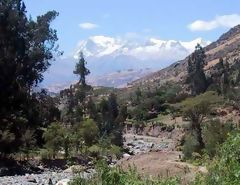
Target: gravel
x,y
39,179
139,146
135,146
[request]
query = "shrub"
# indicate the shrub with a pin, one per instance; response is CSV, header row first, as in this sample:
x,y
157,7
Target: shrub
x,y
89,131
45,154
196,109
214,134
225,168
116,151
54,138
191,145
95,150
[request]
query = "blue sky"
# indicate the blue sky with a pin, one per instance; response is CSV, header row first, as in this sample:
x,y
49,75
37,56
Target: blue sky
x,y
166,20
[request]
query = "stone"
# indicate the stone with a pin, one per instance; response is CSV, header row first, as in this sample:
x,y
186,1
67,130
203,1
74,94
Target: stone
x,y
31,179
74,168
63,182
125,155
50,181
203,170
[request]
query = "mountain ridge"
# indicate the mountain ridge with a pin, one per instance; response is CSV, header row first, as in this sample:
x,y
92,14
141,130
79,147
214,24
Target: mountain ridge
x,y
107,55
226,46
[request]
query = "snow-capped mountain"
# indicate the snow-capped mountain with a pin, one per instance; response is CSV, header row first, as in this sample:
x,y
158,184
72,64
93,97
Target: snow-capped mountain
x,y
108,55
99,46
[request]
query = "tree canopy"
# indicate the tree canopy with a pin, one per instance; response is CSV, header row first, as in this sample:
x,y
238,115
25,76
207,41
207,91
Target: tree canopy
x,y
26,48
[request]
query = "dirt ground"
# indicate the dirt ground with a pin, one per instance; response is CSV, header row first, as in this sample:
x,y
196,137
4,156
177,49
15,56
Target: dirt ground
x,y
162,164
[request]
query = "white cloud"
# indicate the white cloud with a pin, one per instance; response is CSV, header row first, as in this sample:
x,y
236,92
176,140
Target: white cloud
x,y
226,21
88,25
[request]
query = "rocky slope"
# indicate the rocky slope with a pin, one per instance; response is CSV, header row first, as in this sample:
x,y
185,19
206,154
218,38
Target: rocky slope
x,y
227,46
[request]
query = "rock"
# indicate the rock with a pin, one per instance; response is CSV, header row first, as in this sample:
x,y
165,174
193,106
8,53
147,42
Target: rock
x,y
126,155
31,179
203,170
74,168
50,181
41,167
63,182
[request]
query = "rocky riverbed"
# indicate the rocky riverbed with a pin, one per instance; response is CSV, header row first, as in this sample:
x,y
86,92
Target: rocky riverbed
x,y
134,143
137,144
45,178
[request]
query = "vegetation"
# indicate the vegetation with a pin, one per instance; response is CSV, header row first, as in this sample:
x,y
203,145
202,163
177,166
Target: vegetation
x,y
196,109
196,75
111,176
26,48
54,137
81,70
224,169
86,122
214,134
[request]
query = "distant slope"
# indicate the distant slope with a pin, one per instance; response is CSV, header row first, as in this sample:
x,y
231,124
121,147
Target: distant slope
x,y
228,45
106,56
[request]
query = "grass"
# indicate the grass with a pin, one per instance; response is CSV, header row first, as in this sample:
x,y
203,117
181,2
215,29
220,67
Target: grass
x,y
116,176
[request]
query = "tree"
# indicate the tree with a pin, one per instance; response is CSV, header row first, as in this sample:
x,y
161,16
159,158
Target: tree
x,y
113,106
54,137
138,93
77,138
215,133
91,108
196,109
28,142
89,131
111,124
26,47
224,79
81,70
122,116
196,75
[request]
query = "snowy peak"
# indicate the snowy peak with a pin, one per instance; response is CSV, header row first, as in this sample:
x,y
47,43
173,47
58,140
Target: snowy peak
x,y
106,56
190,46
99,46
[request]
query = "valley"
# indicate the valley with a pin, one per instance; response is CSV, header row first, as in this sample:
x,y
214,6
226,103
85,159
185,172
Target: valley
x,y
123,107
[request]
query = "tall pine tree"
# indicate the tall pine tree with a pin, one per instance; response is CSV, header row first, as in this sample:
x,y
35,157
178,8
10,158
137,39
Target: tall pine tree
x,y
196,75
81,70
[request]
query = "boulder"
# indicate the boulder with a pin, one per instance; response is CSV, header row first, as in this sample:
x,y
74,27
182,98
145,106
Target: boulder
x,y
126,155
31,179
63,182
74,168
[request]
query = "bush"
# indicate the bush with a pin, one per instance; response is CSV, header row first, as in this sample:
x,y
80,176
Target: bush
x,y
95,150
214,134
54,138
45,154
116,151
225,168
89,131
